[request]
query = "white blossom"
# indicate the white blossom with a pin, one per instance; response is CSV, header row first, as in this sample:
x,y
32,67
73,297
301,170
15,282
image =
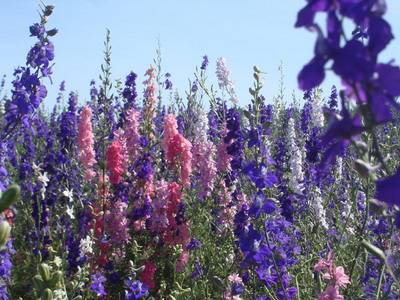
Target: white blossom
x,y
43,179
224,79
86,246
319,210
317,115
60,294
201,127
36,168
68,194
295,161
70,212
339,169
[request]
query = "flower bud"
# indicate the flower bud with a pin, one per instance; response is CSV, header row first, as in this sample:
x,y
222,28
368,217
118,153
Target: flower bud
x,y
9,197
38,282
48,10
52,32
44,271
57,277
47,295
363,168
4,232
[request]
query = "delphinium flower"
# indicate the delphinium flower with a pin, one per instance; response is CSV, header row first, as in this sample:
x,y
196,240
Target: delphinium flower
x,y
227,210
281,159
235,288
339,136
114,157
135,289
272,252
72,244
333,103
203,156
306,113
3,170
235,140
147,275
6,266
167,82
177,149
177,232
86,142
159,219
213,125
129,92
117,223
86,246
28,91
97,284
295,161
182,261
317,116
224,80
93,91
159,120
198,270
132,135
120,136
369,83
336,276
224,158
316,202
150,99
143,168
204,63
68,129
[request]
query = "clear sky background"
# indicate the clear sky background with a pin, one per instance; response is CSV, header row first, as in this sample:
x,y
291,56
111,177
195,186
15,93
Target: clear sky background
x,y
246,33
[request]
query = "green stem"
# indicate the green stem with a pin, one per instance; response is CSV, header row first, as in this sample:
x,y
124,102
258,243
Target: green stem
x,y
378,291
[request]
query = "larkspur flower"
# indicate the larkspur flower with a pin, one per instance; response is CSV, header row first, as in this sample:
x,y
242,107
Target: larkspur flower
x,y
135,290
86,142
204,64
115,162
224,80
97,284
177,149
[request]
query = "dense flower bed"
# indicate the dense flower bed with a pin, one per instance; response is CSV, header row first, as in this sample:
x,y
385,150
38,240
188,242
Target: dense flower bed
x,y
151,195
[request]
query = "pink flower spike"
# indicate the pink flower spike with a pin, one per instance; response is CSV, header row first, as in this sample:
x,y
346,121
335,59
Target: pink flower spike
x,y
114,162
341,279
132,135
331,293
85,142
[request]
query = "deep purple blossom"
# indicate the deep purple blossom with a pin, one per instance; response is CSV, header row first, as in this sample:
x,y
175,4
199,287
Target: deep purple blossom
x,y
339,135
204,64
388,189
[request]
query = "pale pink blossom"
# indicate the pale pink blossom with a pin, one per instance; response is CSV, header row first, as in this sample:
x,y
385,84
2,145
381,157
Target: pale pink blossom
x,y
182,261
131,134
331,293
205,165
224,159
336,276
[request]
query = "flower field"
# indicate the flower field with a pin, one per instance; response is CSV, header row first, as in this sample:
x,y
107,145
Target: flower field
x,y
141,193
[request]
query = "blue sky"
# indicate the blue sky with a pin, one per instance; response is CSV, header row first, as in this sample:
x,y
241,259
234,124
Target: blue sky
x,y
246,33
